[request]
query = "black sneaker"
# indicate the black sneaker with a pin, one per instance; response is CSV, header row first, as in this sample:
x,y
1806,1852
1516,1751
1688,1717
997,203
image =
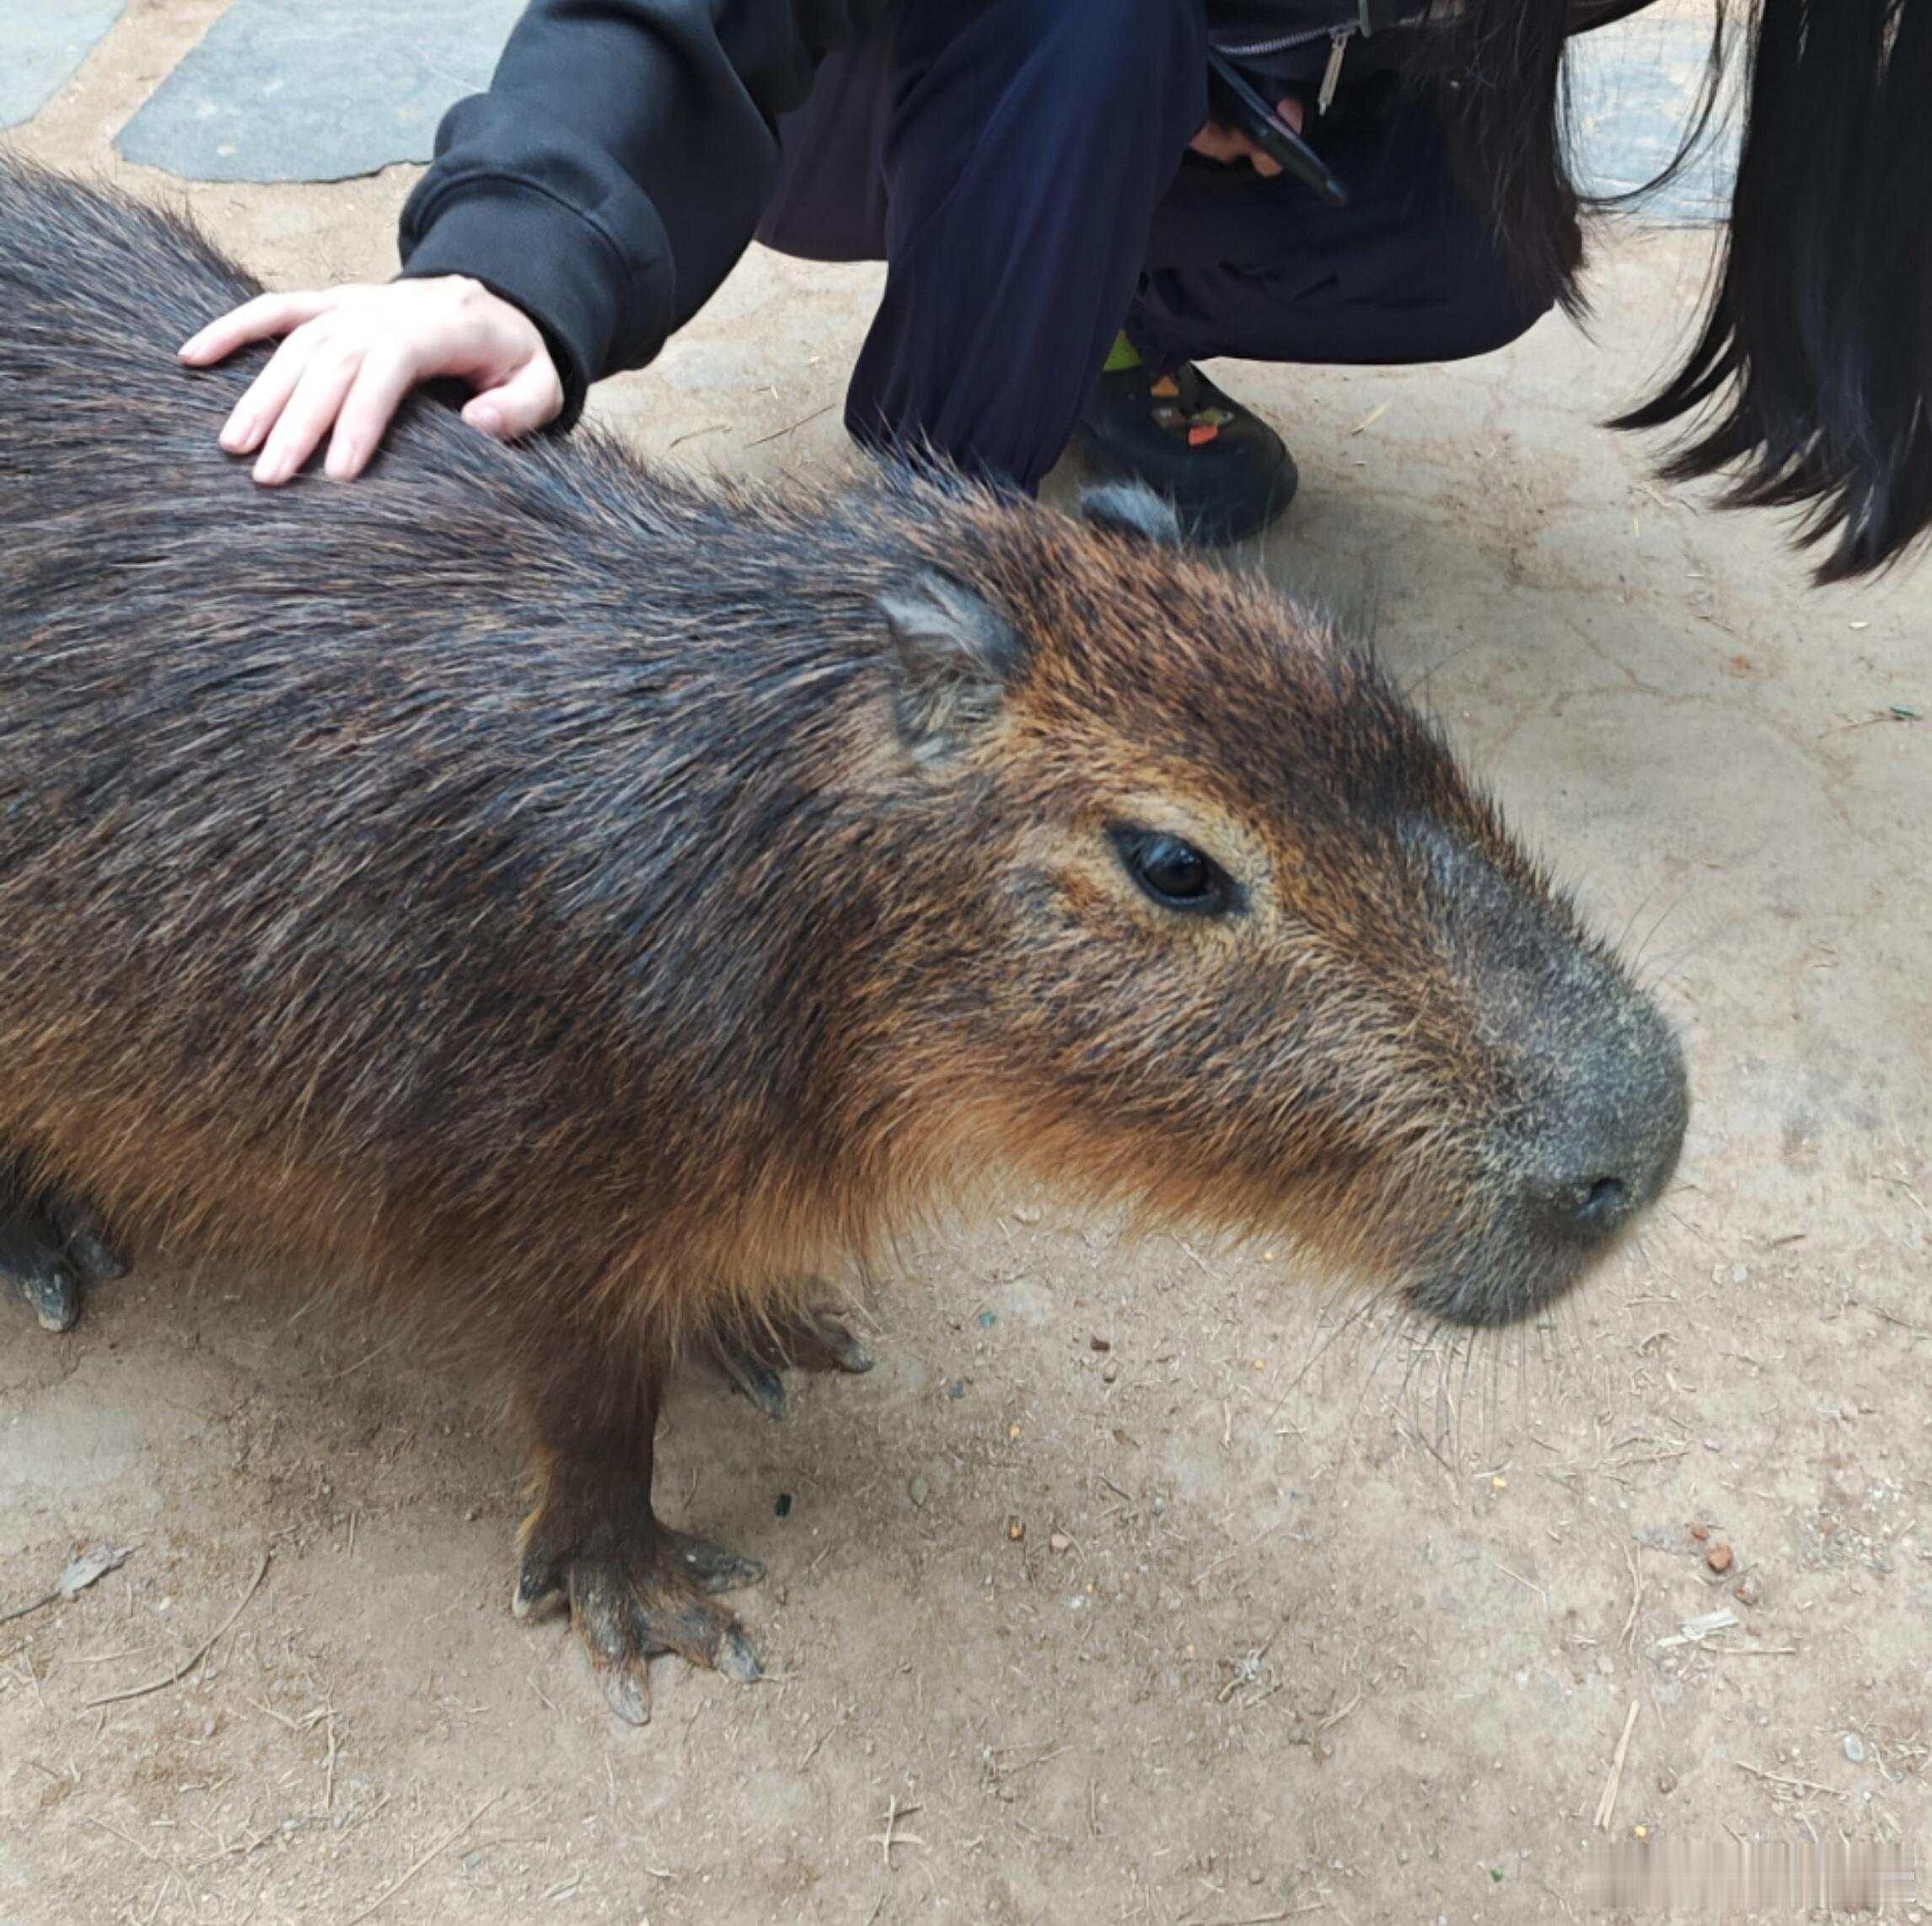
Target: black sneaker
x,y
1226,472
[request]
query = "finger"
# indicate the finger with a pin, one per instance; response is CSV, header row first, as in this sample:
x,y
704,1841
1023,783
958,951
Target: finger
x,y
1265,164
264,397
370,405
519,407
255,320
312,409
1291,110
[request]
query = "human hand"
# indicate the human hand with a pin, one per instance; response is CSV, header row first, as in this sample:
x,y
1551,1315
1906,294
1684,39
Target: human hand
x,y
1224,144
350,354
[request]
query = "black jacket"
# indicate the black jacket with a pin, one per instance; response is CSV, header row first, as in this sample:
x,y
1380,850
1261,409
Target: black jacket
x,y
615,170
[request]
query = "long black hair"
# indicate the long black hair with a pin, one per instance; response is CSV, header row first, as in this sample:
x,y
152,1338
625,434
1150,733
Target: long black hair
x,y
1811,381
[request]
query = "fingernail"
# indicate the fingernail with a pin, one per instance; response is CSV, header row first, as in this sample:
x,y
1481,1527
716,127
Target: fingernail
x,y
269,470
237,435
340,464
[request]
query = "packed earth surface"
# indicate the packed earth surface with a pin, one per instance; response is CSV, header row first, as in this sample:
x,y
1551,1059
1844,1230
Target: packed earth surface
x,y
1140,1581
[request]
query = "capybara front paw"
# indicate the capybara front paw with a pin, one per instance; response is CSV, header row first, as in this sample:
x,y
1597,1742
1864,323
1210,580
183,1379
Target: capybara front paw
x,y
45,1282
51,1245
638,1591
818,1339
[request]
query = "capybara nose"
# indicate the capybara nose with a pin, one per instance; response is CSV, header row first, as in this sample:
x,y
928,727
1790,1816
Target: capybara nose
x,y
1614,1127
1594,1143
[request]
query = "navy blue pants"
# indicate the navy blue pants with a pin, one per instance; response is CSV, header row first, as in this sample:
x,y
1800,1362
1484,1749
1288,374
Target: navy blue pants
x,y
1020,166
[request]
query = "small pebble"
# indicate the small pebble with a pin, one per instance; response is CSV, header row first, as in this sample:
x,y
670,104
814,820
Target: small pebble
x,y
1854,1748
1748,1591
916,1490
956,1388
1700,1533
1007,1795
1060,1542
1718,1557
1257,1877
1666,1782
1110,1370
1015,1530
1098,1343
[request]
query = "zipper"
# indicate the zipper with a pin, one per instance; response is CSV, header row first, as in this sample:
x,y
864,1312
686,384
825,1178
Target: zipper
x,y
1332,73
1338,39
1307,36
1282,42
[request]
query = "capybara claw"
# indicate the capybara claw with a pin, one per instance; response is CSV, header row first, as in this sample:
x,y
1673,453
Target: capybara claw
x,y
96,1259
627,1691
813,1340
536,1584
823,1341
759,1380
736,1659
650,1600
713,1568
53,1295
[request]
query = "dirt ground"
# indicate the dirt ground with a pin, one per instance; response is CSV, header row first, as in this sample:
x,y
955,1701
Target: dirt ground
x,y
1307,1615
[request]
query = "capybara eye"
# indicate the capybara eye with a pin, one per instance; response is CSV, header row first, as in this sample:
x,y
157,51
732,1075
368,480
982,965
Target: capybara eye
x,y
1175,873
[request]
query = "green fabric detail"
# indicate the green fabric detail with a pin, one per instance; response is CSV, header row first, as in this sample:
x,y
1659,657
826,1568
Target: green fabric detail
x,y
1124,354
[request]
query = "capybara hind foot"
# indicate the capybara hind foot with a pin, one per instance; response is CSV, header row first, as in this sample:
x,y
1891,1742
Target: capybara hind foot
x,y
49,1246
814,1340
637,1589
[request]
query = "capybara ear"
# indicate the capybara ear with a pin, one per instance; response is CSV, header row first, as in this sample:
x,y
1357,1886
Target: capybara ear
x,y
952,657
1133,509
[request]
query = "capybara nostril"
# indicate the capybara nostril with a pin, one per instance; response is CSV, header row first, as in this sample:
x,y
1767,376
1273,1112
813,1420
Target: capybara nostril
x,y
1605,1203
1589,1209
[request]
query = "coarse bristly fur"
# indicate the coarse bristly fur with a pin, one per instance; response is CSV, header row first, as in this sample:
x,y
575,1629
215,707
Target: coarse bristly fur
x,y
584,909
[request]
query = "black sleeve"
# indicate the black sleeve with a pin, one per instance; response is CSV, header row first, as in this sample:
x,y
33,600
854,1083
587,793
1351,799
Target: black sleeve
x,y
617,168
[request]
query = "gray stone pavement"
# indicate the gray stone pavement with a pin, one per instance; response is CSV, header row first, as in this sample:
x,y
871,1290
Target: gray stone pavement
x,y
46,41
286,90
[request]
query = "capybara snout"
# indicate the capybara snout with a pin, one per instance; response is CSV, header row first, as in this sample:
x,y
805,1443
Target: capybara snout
x,y
1595,1100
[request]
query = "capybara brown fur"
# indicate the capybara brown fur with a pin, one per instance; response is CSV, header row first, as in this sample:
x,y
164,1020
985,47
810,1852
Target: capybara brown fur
x,y
583,910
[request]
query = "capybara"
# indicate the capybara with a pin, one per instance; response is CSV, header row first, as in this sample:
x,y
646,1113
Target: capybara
x,y
585,911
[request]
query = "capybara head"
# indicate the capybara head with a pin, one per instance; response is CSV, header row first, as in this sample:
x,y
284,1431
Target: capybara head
x,y
1221,928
